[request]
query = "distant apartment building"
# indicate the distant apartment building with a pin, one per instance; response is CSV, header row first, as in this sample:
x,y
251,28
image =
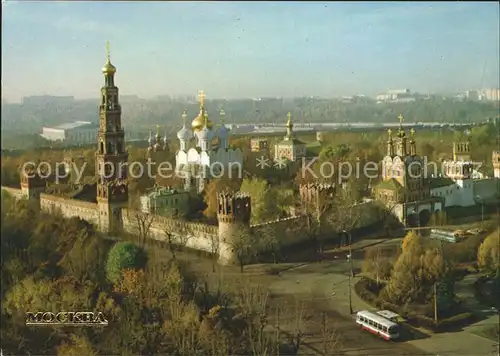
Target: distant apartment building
x,y
74,132
472,95
490,94
396,95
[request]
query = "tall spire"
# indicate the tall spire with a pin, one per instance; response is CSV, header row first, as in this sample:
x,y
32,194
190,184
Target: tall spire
x,y
413,146
108,69
289,126
390,144
401,145
201,96
108,51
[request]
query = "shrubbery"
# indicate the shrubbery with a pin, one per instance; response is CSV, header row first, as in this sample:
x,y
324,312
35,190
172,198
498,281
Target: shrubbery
x,y
124,255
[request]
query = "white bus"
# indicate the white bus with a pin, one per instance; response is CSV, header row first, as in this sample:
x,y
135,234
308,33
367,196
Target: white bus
x,y
377,325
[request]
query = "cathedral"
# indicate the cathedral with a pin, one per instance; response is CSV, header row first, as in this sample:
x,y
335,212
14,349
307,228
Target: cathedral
x,y
204,151
404,188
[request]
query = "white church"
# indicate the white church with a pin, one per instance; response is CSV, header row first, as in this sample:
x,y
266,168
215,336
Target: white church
x,y
461,184
204,151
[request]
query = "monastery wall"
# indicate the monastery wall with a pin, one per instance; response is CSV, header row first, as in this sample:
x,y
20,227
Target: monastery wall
x,y
190,234
290,231
16,193
70,208
486,188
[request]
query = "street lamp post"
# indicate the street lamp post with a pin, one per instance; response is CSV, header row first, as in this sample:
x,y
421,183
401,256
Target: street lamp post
x,y
482,210
351,274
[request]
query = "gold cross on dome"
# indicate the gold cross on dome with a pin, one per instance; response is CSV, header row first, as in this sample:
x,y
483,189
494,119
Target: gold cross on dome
x,y
201,96
412,131
389,132
108,51
401,118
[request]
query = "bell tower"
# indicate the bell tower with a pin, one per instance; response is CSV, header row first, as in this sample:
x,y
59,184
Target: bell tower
x,y
111,157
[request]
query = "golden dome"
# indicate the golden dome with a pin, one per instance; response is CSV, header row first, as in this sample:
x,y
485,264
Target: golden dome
x,y
108,68
199,122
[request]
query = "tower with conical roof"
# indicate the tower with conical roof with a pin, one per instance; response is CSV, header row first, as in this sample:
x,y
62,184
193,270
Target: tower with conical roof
x,y
111,155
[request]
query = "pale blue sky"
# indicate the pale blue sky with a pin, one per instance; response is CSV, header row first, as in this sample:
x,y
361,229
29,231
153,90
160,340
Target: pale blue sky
x,y
248,49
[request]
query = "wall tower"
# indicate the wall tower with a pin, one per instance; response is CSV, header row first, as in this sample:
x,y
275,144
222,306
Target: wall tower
x,y
233,210
32,183
111,155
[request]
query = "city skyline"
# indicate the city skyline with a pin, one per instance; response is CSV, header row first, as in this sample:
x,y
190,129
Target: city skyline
x,y
234,50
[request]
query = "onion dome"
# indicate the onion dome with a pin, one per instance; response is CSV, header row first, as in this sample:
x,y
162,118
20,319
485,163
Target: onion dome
x,y
199,122
108,68
205,133
184,134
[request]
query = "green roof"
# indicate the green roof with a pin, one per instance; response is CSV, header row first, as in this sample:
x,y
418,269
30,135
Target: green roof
x,y
391,184
314,148
291,142
440,182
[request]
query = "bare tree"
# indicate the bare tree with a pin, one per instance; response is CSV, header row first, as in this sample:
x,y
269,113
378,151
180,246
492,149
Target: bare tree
x,y
316,210
330,338
253,301
300,323
214,249
270,237
387,217
170,237
142,224
176,238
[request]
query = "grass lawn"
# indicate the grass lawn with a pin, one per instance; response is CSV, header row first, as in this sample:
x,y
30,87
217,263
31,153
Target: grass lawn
x,y
491,332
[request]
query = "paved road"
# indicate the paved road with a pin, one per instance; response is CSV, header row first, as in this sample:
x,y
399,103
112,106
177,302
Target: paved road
x,y
328,283
329,289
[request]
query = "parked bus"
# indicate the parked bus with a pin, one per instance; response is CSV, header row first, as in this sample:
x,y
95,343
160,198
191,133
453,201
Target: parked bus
x,y
448,236
377,325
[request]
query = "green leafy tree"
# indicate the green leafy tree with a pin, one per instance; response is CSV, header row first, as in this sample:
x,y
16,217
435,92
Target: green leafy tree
x,y
124,255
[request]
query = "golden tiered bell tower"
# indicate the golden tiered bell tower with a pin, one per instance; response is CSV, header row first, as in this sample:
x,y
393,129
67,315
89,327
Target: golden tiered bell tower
x,y
111,156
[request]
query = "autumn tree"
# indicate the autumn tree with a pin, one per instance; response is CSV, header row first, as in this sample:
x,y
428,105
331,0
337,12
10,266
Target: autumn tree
x,y
487,255
415,272
376,264
76,346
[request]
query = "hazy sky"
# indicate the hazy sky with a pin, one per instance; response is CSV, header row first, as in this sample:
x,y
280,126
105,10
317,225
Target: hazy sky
x,y
248,49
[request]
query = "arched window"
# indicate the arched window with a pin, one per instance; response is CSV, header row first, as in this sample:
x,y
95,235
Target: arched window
x,y
109,149
118,147
101,148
